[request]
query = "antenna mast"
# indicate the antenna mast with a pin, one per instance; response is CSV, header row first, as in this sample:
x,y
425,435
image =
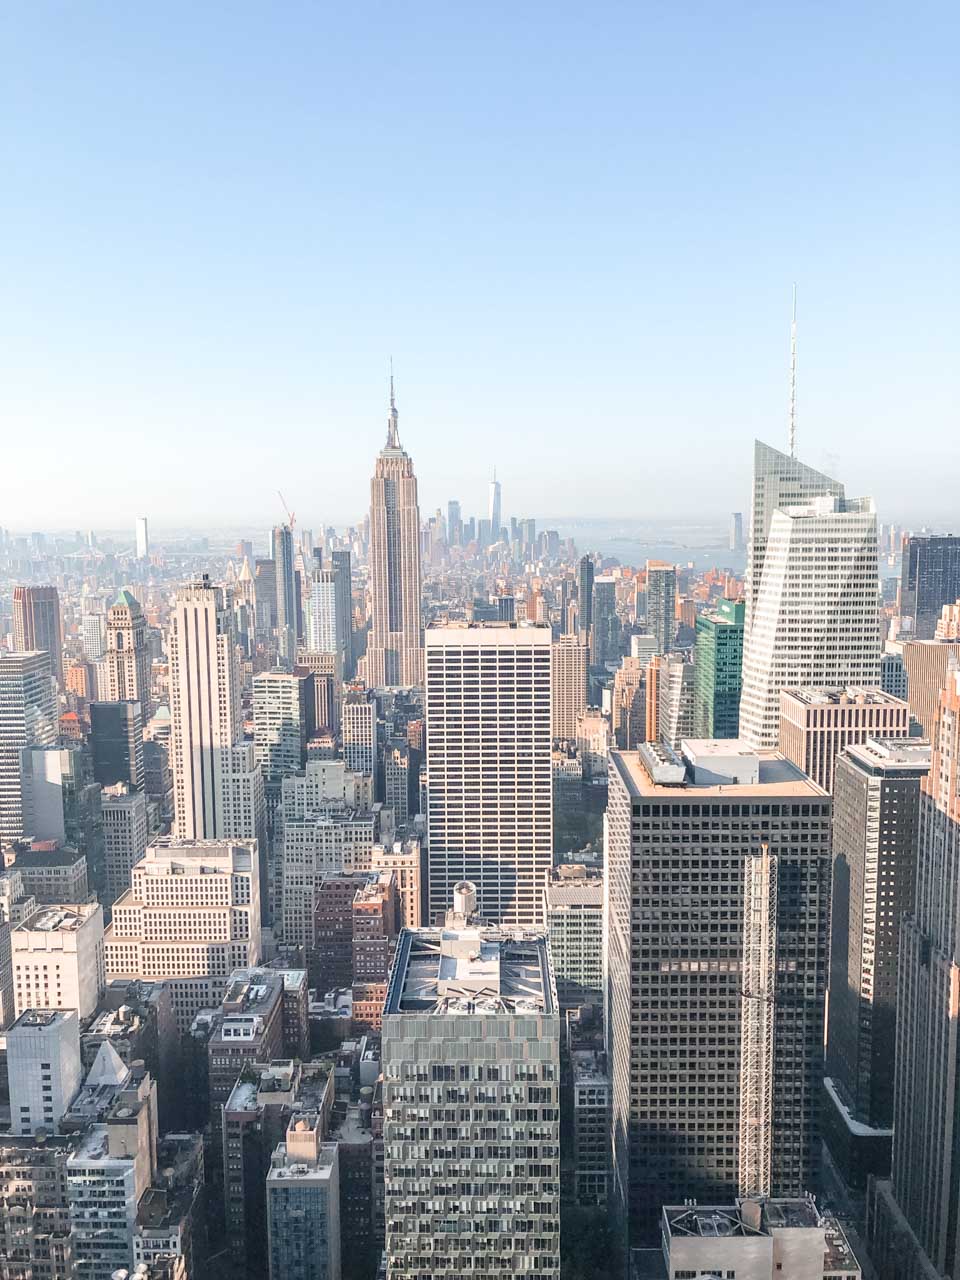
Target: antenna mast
x,y
793,378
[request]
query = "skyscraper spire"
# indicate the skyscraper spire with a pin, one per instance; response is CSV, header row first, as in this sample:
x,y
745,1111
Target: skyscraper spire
x,y
393,436
394,656
793,378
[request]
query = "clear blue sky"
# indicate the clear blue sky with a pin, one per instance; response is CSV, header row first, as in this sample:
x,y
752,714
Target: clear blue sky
x,y
574,227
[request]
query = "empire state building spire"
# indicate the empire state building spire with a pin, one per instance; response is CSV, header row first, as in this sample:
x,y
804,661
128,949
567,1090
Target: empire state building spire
x,y
393,434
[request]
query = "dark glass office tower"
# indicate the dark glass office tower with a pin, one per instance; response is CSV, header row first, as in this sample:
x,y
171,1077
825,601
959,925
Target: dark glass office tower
x,y
929,579
116,743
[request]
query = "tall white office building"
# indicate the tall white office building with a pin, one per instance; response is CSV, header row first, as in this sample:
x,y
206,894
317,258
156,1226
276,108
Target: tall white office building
x,y
812,592
779,481
93,630
218,786
28,718
490,806
323,632
143,538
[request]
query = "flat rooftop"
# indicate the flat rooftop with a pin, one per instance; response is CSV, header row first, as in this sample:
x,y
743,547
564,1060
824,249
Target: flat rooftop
x,y
292,1169
480,634
43,1017
746,1218
63,856
892,753
848,696
58,919
471,970
115,1022
581,892
779,777
707,1220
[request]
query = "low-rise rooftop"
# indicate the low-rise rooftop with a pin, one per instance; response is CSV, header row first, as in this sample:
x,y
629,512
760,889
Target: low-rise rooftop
x,y
58,919
882,754
763,1218
471,970
573,885
43,1017
44,856
842,696
777,777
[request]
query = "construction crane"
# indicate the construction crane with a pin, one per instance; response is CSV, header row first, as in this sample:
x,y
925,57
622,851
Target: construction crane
x,y
291,515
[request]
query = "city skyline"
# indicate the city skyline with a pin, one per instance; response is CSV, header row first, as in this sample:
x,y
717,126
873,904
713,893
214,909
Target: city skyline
x,y
480,743
219,253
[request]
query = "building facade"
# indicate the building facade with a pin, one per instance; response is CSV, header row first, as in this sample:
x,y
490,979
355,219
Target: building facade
x,y
358,724
876,819
662,603
571,658
471,1027
926,1094
28,718
718,666
573,918
490,800
191,917
125,835
676,696
38,625
283,720
43,1063
127,659
395,645
303,1204
817,724
813,619
812,590
116,743
929,579
218,786
58,959
927,665
716,931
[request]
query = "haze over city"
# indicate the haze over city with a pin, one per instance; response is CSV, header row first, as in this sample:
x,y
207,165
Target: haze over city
x,y
575,230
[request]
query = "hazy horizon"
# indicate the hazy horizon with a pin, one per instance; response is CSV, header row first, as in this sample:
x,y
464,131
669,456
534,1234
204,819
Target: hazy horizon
x,y
576,232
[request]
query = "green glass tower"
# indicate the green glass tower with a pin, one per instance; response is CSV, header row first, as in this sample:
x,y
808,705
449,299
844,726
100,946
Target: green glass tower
x,y
717,677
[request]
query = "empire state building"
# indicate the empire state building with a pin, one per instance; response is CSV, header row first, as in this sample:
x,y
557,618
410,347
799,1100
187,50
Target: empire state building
x,y
395,647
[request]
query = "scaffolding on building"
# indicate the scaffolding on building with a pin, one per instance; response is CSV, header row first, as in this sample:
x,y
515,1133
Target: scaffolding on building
x,y
758,994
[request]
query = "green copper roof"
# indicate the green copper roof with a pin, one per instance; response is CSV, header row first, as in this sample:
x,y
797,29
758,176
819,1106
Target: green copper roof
x,y
126,598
